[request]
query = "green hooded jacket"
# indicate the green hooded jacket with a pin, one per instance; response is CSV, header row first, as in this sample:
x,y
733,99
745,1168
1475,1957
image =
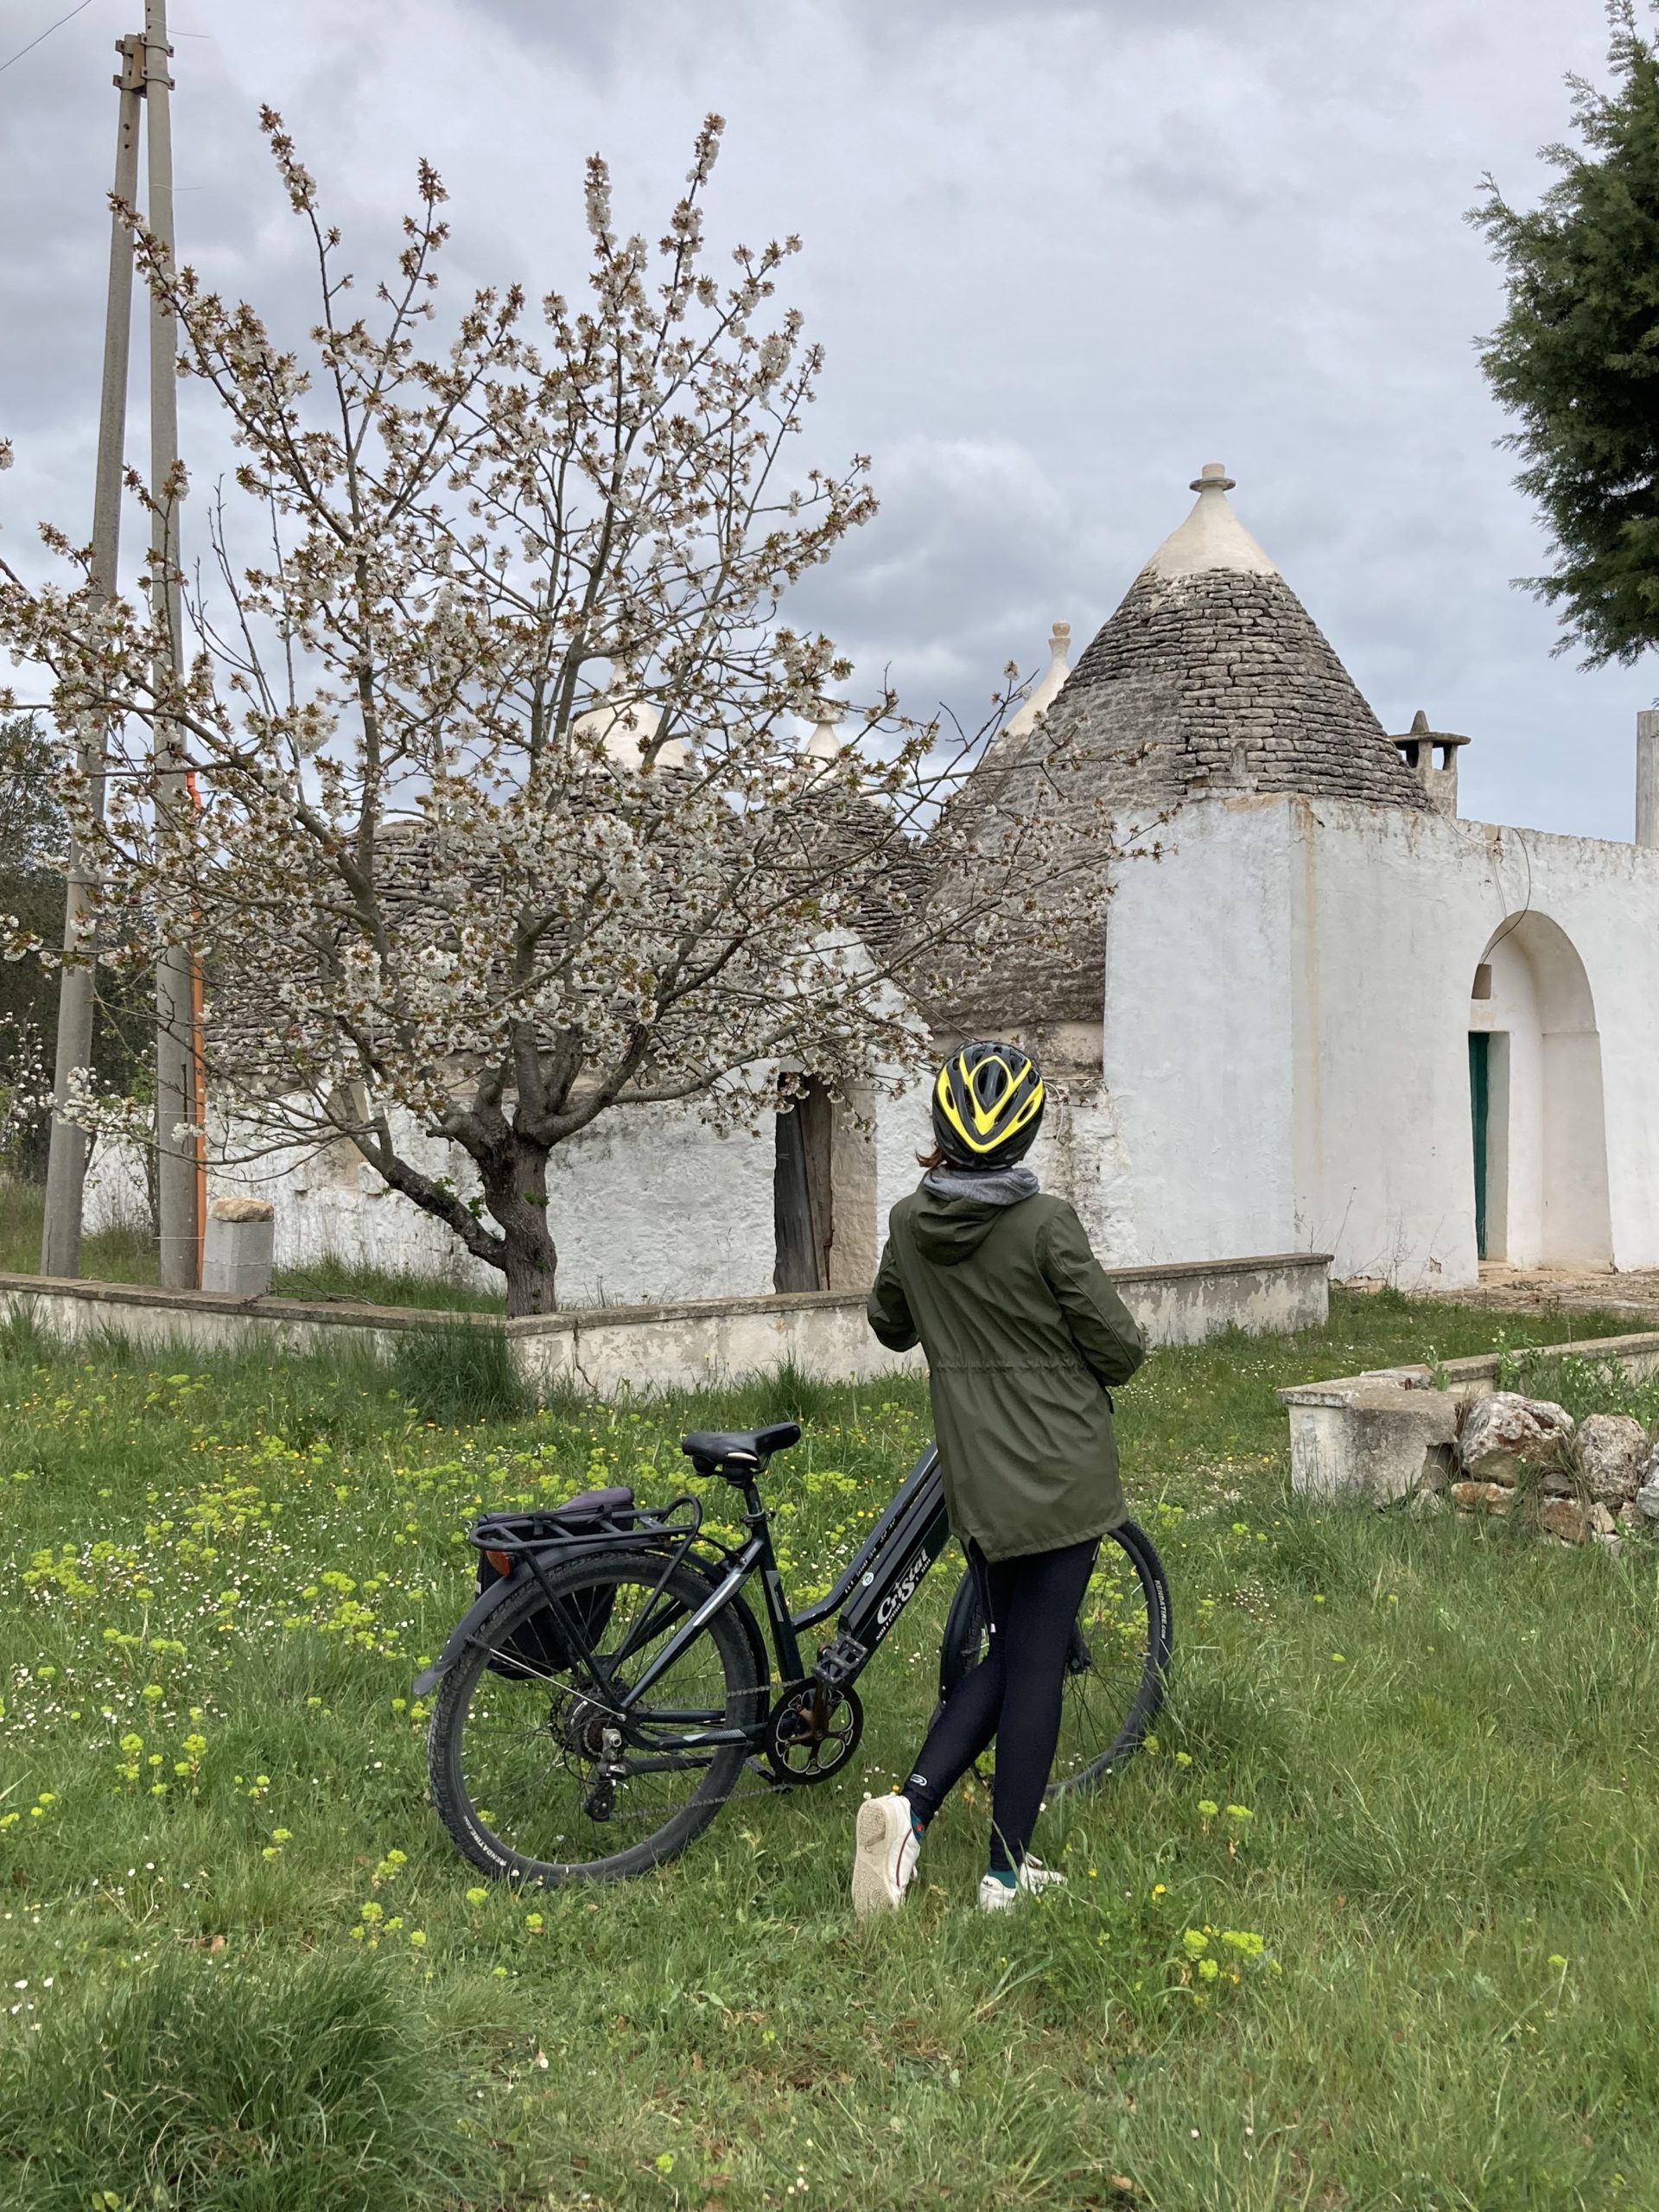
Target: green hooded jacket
x,y
1023,1334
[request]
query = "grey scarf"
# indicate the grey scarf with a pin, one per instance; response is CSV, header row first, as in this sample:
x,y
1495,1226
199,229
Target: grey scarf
x,y
994,1186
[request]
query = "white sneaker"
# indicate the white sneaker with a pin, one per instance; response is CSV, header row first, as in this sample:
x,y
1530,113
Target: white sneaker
x,y
886,1857
996,1896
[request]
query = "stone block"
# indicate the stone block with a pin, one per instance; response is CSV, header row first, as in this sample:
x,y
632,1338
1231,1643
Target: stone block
x,y
1611,1448
1505,1436
239,1251
1566,1518
1373,1440
1491,1498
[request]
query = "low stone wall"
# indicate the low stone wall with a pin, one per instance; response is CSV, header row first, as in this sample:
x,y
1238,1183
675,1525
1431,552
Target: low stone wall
x,y
1378,1437
610,1350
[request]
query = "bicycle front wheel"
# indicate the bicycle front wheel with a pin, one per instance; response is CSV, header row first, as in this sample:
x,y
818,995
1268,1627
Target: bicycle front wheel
x,y
539,1774
1115,1668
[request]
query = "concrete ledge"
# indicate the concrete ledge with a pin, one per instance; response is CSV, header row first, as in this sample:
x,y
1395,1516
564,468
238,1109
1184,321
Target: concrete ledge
x,y
609,1349
1375,1437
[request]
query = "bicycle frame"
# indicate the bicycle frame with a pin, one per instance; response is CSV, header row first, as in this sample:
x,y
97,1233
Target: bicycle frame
x,y
872,1590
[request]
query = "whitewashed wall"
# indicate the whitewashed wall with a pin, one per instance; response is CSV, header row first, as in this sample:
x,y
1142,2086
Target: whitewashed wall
x,y
1284,1068
1198,1038
648,1203
1286,1037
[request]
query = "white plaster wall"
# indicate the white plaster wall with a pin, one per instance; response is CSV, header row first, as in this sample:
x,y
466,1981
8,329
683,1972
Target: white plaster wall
x,y
903,1128
1285,1068
116,1195
647,1203
1198,1041
625,1351
1408,907
1078,1156
1287,1016
1514,1181
1389,918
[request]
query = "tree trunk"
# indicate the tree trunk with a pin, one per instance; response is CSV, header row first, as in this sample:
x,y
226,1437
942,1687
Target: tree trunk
x,y
515,1190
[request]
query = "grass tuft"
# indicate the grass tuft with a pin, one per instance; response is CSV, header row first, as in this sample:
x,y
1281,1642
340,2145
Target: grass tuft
x,y
204,2087
456,1372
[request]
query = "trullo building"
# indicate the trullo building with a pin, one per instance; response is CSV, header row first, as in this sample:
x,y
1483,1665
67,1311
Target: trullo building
x,y
1330,1015
1333,1014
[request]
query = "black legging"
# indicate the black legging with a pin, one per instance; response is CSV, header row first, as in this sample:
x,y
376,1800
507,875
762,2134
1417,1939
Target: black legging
x,y
1013,1694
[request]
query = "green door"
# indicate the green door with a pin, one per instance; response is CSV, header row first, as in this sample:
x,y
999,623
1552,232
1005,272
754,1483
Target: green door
x,y
1480,1046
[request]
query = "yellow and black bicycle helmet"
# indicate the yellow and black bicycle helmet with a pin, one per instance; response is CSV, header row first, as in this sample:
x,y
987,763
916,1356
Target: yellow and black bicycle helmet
x,y
987,1105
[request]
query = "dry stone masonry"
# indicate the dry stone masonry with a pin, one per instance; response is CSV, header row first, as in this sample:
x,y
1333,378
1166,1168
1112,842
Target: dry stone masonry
x,y
1596,1480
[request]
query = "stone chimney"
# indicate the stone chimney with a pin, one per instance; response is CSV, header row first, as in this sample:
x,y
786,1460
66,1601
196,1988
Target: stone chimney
x,y
1418,748
1647,777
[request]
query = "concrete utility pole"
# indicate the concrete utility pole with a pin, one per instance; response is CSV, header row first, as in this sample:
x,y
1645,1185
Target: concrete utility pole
x,y
176,1086
1647,777
66,1169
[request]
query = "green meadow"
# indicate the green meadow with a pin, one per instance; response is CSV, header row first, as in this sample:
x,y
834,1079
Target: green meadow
x,y
1367,1925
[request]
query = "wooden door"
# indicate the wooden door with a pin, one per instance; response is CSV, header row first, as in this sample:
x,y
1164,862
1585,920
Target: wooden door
x,y
803,1221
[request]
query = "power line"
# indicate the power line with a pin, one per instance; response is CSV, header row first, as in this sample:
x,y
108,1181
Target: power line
x,y
45,33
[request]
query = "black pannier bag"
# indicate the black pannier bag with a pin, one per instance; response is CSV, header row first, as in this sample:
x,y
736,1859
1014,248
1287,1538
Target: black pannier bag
x,y
536,1649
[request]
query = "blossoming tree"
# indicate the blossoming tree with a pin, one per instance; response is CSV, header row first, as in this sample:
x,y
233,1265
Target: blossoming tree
x,y
497,820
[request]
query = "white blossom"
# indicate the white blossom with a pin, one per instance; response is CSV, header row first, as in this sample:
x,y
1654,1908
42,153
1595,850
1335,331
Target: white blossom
x,y
427,879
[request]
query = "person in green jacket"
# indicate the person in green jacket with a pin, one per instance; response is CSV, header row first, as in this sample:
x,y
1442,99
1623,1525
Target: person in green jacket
x,y
1025,1337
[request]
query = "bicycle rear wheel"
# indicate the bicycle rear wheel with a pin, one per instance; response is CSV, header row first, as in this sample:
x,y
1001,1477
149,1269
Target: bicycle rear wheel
x,y
523,1776
1115,1669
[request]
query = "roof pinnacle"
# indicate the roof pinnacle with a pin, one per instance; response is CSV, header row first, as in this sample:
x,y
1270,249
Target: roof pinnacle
x,y
1212,536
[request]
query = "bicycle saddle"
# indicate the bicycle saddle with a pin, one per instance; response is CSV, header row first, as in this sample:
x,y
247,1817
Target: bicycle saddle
x,y
745,1451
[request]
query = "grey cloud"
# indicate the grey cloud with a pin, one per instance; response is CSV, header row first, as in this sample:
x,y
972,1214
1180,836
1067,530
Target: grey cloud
x,y
1059,256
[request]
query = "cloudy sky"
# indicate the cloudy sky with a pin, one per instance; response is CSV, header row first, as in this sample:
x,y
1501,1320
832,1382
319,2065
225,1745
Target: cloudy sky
x,y
1058,255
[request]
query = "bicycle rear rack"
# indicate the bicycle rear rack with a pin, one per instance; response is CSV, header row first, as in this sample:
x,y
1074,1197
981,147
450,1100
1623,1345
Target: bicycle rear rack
x,y
522,1534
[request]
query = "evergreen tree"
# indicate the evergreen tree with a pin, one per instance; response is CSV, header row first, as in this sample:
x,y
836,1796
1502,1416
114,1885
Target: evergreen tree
x,y
1576,357
33,834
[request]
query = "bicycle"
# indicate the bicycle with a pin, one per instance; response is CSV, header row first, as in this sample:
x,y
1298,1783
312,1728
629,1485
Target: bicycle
x,y
611,1675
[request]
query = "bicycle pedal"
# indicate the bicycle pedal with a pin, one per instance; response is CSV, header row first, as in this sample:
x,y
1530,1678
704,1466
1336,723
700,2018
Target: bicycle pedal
x,y
839,1661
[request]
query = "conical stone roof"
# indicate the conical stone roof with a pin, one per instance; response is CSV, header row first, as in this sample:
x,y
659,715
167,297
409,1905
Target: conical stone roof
x,y
1211,677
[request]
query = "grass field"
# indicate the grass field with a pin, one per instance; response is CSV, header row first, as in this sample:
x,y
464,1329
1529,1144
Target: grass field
x,y
1410,1768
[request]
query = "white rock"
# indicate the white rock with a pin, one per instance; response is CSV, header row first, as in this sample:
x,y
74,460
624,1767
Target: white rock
x,y
1647,1498
1506,1435
1611,1448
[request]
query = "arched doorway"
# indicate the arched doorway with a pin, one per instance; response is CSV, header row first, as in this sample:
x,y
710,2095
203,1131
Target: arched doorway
x,y
1540,1130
